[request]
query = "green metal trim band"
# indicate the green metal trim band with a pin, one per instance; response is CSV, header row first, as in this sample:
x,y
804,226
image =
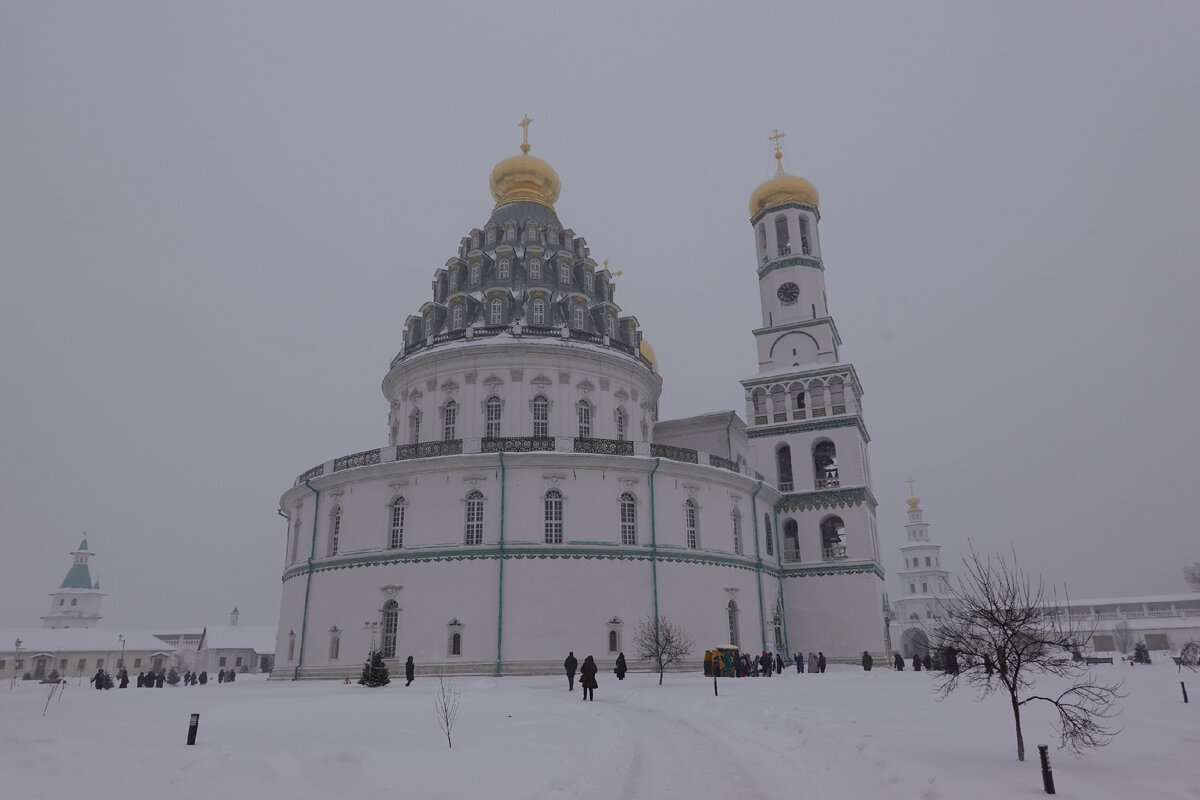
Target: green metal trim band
x,y
762,622
826,498
831,569
808,427
500,599
790,261
654,549
779,578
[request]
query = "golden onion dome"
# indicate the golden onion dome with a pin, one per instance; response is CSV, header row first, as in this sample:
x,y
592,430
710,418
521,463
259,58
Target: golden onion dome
x,y
525,179
648,353
913,502
783,188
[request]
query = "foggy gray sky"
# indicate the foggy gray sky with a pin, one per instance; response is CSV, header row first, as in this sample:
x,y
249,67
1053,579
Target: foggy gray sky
x,y
215,219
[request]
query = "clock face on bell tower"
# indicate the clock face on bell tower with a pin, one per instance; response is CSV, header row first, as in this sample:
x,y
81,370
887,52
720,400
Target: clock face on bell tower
x,y
788,293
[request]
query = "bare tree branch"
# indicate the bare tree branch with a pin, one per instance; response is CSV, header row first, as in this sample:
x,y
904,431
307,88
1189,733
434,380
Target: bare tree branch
x,y
661,641
445,702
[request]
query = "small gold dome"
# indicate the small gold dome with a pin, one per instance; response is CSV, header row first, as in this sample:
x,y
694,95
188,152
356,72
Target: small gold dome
x,y
783,188
525,179
913,502
648,353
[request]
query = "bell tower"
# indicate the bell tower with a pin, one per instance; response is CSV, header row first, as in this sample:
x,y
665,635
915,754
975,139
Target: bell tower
x,y
805,424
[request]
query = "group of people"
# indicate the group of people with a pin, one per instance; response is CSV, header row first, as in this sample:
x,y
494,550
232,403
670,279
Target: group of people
x,y
587,673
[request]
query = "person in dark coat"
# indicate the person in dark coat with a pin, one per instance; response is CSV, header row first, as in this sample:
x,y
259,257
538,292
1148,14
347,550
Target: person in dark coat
x,y
898,663
708,662
124,679
587,678
867,661
820,661
141,679
800,663
928,662
569,665
916,663
778,664
409,669
621,668
220,676
160,679
203,678
98,679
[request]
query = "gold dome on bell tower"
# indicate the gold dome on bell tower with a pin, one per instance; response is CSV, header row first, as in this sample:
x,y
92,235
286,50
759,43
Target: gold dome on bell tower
x,y
783,188
525,178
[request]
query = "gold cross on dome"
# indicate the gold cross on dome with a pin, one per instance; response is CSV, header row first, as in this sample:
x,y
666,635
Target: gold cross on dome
x,y
524,124
910,487
777,137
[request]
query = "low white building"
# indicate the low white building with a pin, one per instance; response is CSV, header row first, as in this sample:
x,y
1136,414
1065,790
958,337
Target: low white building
x,y
1165,622
78,652
242,648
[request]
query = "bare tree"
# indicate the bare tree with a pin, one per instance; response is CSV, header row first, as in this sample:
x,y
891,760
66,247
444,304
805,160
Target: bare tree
x,y
661,641
1123,636
1015,633
445,702
1191,574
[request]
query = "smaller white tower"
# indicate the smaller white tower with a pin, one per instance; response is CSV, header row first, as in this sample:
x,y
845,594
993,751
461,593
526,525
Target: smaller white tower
x,y
922,582
76,604
233,616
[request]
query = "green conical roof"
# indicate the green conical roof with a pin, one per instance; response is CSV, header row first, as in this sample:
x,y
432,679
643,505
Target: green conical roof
x,y
78,577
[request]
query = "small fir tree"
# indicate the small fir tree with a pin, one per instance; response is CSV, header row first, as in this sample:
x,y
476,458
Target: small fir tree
x,y
172,676
374,671
1141,653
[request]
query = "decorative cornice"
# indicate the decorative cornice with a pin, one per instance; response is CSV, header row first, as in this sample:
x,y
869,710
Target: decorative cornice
x,y
758,432
830,498
831,568
789,261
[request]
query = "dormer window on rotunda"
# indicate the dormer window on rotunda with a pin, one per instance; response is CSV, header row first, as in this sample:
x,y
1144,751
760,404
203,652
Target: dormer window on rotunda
x,y
564,274
475,274
504,262
535,269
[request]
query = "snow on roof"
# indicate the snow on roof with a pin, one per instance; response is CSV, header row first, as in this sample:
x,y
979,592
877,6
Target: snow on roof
x,y
61,640
259,638
1122,601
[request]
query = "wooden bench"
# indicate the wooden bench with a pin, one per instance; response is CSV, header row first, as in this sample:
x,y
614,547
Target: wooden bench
x,y
1098,660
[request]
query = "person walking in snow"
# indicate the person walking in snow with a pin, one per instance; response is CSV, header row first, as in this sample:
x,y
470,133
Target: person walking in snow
x,y
569,665
916,663
778,664
800,663
587,678
98,679
898,663
621,667
867,661
409,669
820,662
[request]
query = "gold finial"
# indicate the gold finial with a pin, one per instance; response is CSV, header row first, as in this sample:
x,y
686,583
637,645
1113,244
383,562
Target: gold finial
x,y
777,137
910,487
616,274
524,124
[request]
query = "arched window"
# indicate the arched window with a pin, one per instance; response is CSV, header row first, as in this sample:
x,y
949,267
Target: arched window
x,y
456,644
833,538
475,274
589,280
825,469
737,532
610,325
428,325
620,420
539,312
390,625
778,400
449,419
628,519
612,641
535,269
791,540
457,317
541,416
554,517
473,533
577,317
564,274
837,394
796,390
453,280
504,262
734,638
804,240
335,643
770,537
762,237
335,530
690,521
783,462
758,399
414,426
510,232
497,316
491,236
531,233
583,411
396,531
492,423
552,234
781,236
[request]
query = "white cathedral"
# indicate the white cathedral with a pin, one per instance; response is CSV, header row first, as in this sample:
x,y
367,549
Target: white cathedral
x,y
529,502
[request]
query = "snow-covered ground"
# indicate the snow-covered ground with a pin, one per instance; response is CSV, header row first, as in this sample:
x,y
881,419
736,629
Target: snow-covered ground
x,y
845,734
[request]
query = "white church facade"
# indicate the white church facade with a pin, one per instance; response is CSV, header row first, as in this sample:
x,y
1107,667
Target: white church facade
x,y
529,501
